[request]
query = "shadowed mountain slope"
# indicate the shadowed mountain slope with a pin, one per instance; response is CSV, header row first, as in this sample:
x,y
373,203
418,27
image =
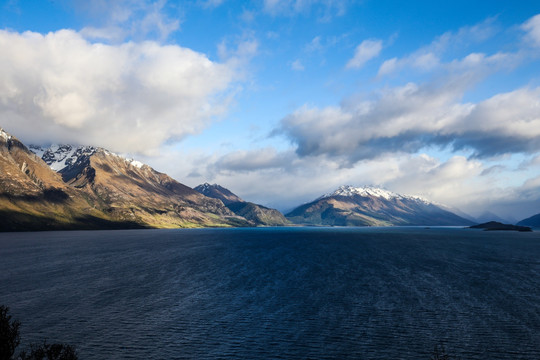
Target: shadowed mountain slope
x,y
256,214
533,221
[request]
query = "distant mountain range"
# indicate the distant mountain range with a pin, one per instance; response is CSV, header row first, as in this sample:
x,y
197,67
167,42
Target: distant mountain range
x,y
256,214
371,206
84,187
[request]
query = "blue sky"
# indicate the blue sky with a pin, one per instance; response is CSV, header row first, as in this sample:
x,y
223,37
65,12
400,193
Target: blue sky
x,y
284,100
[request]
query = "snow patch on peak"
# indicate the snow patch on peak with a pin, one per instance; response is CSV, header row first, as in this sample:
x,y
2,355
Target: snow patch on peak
x,y
207,186
136,163
129,161
348,190
4,135
58,157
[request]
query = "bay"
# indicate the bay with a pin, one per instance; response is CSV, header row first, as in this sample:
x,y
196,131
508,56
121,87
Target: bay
x,y
277,293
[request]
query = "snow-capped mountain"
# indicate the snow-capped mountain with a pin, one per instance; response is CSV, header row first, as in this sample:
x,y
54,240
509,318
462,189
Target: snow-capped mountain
x,y
84,187
130,189
348,190
372,206
60,157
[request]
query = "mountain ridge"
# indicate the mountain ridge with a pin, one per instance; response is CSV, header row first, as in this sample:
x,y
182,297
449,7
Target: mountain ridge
x,y
94,188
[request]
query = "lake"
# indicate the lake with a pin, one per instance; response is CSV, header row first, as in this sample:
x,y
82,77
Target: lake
x,y
277,293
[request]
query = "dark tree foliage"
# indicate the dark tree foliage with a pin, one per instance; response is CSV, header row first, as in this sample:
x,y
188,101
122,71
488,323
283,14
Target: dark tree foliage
x,y
50,352
10,339
9,334
439,353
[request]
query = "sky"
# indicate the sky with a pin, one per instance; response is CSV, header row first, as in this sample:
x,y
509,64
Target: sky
x,y
282,101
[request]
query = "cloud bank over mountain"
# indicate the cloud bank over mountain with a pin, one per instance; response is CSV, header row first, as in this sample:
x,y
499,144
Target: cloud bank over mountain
x,y
131,97
385,136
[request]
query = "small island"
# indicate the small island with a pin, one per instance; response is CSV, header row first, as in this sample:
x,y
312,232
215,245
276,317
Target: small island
x,y
494,225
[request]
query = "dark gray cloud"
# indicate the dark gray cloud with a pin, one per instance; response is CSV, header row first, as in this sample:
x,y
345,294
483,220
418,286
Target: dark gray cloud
x,y
259,159
409,118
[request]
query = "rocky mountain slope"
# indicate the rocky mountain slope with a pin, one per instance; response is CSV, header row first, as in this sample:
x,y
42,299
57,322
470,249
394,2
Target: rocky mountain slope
x,y
34,197
129,190
94,188
218,192
256,214
371,206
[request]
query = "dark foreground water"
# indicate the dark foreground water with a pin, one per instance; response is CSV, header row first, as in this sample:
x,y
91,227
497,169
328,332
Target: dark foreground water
x,y
289,293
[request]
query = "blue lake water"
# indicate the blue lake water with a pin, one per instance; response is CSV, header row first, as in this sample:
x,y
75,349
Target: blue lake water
x,y
277,293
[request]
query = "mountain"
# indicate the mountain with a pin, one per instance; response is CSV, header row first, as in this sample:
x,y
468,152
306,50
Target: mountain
x,y
131,190
69,187
533,221
257,214
218,192
371,206
34,197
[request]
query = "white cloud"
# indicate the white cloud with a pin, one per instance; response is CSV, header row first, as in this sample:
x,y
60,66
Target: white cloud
x,y
407,118
297,65
364,52
285,180
243,49
314,45
245,161
112,33
131,97
532,27
388,66
428,58
137,19
426,62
